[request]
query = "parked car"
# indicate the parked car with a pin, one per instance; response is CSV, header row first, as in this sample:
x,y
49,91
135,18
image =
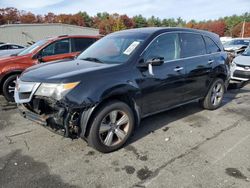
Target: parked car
x,y
236,45
9,46
240,68
225,39
6,53
50,49
122,78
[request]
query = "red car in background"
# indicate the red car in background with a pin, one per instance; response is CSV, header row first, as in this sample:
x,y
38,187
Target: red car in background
x,y
46,50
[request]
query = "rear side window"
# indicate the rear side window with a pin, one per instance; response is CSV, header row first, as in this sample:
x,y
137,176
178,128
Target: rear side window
x,y
192,45
211,46
81,44
166,46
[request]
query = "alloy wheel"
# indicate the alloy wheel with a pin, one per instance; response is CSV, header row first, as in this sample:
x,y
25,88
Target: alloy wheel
x,y
217,94
114,128
11,87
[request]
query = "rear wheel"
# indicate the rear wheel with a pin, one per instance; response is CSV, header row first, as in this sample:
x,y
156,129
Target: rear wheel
x,y
9,88
111,127
214,96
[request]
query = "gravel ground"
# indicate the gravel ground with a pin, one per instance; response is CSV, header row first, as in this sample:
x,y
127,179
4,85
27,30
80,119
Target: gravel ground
x,y
184,147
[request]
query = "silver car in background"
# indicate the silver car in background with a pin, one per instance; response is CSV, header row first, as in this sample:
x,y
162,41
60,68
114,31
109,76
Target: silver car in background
x,y
237,45
8,49
240,68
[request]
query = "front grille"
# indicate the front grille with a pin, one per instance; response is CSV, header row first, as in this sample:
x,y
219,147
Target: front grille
x,y
24,91
242,74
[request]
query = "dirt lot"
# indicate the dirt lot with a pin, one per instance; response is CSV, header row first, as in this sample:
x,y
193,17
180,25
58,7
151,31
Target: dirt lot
x,y
184,147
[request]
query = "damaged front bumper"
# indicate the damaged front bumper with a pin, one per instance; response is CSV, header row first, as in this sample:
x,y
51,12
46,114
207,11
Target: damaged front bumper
x,y
62,117
48,113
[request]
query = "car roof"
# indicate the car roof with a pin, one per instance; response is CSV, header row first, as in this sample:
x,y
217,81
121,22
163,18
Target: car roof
x,y
241,39
10,44
74,36
152,30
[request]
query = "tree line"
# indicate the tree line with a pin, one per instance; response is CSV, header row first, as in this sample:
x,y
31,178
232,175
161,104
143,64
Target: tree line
x,y
107,23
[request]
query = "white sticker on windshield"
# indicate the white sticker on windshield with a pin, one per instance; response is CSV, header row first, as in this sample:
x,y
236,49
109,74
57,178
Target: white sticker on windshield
x,y
131,48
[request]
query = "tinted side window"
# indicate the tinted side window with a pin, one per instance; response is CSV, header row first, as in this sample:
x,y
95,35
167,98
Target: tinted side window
x,y
14,47
211,46
166,46
192,45
4,47
81,44
58,47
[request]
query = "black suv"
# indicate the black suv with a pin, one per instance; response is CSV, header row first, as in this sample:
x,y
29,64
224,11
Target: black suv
x,y
125,76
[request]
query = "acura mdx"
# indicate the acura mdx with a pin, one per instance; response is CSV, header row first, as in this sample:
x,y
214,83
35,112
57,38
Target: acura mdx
x,y
126,76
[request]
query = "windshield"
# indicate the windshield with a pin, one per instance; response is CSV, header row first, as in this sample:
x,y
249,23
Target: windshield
x,y
114,48
237,42
33,47
246,52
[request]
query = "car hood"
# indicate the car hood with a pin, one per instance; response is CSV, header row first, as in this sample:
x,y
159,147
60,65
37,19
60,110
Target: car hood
x,y
61,71
10,59
242,60
233,47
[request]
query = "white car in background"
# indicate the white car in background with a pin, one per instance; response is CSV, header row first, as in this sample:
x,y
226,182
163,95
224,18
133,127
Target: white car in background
x,y
236,45
8,49
240,68
225,39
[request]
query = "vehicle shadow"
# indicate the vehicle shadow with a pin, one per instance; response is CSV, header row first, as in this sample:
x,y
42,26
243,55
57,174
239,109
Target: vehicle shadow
x,y
162,120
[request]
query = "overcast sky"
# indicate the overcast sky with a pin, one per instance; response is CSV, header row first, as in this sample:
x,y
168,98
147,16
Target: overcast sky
x,y
187,9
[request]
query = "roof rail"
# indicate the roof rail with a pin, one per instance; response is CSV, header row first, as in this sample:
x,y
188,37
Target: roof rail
x,y
63,36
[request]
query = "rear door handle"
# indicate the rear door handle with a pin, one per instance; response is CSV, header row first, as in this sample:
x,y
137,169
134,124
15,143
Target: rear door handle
x,y
210,62
178,69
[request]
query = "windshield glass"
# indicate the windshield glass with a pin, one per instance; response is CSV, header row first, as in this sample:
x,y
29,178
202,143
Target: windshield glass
x,y
237,42
114,49
246,52
32,47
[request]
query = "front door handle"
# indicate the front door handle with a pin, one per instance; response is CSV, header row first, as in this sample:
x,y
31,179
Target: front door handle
x,y
210,62
178,69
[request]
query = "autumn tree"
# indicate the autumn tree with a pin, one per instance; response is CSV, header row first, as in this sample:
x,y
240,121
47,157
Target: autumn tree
x,y
27,17
50,18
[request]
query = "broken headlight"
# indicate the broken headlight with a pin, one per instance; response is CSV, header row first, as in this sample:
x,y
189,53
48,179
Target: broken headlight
x,y
55,91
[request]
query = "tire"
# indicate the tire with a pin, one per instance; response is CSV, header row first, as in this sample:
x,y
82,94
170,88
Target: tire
x,y
214,96
9,87
111,127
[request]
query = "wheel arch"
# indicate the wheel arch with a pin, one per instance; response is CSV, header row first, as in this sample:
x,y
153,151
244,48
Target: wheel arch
x,y
87,116
6,76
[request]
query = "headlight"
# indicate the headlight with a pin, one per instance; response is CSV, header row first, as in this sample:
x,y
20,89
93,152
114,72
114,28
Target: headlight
x,y
56,91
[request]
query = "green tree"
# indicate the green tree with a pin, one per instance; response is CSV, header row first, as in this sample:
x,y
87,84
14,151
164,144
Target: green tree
x,y
140,21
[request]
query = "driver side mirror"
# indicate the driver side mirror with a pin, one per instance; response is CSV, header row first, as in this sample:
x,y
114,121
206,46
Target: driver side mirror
x,y
39,57
150,63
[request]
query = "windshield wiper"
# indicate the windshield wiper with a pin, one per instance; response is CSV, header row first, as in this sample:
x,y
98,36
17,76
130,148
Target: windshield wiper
x,y
92,59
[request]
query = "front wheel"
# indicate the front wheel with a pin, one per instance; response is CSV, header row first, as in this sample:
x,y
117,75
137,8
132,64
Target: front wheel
x,y
9,88
214,96
111,127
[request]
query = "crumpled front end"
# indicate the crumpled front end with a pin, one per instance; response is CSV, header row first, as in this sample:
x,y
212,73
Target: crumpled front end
x,y
56,115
